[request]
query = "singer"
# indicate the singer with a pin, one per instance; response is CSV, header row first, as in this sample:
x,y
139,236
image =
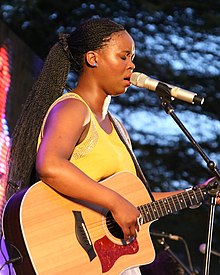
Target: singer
x,y
84,159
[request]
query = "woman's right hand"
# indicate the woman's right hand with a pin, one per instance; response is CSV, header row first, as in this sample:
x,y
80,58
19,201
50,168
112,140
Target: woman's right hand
x,y
127,216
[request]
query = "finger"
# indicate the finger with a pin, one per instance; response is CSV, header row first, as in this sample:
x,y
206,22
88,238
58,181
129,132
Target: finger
x,y
137,227
133,231
139,223
127,233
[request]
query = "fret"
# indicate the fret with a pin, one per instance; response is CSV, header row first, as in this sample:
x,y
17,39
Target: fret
x,y
202,194
160,211
140,208
162,207
169,209
186,199
182,201
151,214
144,213
155,210
194,197
175,209
166,205
189,197
147,213
151,211
171,204
178,205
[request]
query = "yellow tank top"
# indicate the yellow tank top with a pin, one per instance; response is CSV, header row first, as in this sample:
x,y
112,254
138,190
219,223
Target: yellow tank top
x,y
99,155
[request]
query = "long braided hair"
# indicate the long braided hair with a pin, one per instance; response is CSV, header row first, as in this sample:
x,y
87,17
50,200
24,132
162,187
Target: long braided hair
x,y
67,53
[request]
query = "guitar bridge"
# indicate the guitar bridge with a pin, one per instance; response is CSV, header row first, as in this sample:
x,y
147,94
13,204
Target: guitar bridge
x,y
82,235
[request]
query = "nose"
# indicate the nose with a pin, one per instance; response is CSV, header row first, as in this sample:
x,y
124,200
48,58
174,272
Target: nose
x,y
131,65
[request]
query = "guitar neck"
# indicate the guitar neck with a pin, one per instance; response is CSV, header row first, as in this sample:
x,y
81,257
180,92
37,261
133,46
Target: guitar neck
x,y
154,210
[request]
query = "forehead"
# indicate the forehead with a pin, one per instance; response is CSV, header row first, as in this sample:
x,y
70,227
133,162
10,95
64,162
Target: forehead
x,y
122,41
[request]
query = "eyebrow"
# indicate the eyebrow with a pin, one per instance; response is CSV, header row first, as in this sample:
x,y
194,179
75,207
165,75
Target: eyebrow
x,y
127,51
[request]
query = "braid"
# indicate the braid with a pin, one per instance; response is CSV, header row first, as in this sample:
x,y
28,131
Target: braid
x,y
90,36
48,88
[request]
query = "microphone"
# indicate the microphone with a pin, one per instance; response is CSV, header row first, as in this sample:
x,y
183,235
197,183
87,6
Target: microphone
x,y
168,236
202,249
143,81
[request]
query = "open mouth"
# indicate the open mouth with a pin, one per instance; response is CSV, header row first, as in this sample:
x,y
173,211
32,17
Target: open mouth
x,y
127,79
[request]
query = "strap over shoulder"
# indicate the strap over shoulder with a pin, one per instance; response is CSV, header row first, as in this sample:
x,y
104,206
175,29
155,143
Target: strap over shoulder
x,y
126,140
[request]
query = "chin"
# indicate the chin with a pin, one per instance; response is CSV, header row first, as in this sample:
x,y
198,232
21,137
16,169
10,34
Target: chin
x,y
118,93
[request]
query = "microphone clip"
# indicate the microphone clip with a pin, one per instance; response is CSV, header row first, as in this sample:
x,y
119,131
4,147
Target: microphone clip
x,y
164,92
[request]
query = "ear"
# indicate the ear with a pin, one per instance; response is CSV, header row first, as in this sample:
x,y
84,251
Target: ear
x,y
91,58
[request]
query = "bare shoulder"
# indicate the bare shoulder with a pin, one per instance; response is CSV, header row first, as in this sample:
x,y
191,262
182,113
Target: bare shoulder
x,y
68,116
71,105
70,108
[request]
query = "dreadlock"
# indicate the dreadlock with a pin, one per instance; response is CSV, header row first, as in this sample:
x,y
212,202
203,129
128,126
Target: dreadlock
x,y
68,51
48,87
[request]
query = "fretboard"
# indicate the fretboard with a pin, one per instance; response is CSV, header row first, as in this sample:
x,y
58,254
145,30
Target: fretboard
x,y
154,210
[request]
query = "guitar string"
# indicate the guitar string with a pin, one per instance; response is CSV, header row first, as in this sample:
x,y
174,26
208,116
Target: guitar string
x,y
110,222
97,226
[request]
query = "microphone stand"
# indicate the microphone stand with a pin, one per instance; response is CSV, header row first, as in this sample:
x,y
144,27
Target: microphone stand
x,y
213,186
166,247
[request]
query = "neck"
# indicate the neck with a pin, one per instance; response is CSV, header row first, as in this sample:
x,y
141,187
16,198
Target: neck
x,y
98,102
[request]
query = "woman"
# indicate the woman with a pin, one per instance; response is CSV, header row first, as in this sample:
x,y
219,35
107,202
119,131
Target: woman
x,y
70,157
78,143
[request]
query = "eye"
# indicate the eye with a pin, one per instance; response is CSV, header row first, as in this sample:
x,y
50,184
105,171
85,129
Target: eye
x,y
123,57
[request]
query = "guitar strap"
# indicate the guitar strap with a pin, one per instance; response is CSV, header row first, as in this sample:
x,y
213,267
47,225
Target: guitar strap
x,y
121,132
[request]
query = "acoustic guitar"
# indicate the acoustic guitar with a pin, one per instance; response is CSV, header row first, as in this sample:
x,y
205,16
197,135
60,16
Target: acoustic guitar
x,y
48,233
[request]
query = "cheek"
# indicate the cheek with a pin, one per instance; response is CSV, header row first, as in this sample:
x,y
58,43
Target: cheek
x,y
116,68
113,63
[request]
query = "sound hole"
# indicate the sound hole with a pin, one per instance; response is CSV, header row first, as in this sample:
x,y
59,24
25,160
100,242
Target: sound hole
x,y
113,227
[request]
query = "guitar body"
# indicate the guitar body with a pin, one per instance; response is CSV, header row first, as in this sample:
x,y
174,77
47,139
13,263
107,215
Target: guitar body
x,y
58,235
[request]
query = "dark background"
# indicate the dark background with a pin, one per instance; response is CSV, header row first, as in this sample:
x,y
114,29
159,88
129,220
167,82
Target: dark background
x,y
176,42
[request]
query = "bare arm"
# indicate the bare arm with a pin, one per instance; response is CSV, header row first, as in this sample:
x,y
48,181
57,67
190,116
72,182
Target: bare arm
x,y
67,124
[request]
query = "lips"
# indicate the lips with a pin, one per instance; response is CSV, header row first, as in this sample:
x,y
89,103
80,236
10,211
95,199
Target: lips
x,y
127,78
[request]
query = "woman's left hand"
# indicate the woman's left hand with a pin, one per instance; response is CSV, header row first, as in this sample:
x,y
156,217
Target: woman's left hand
x,y
211,182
